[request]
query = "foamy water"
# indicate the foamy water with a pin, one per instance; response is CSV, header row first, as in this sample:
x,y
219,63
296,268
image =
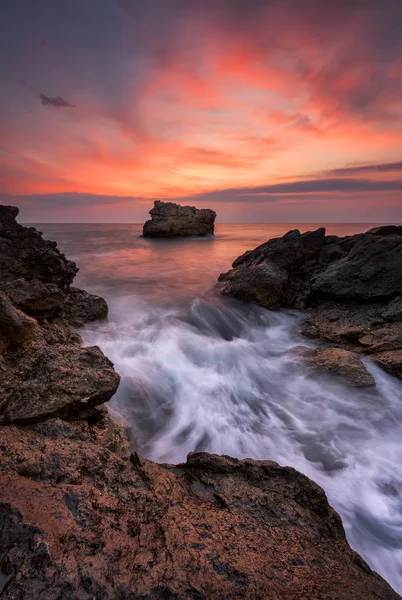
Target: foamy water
x,y
201,372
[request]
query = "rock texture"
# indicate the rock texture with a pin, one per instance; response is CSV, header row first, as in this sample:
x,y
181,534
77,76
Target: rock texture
x,y
341,364
44,370
79,522
351,286
170,220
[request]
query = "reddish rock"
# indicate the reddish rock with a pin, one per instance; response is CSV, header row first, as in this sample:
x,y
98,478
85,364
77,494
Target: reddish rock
x,y
80,522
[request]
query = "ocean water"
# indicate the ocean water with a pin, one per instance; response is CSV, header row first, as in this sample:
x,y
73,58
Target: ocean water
x,y
200,372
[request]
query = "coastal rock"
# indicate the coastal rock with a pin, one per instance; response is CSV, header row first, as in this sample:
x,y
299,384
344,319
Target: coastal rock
x,y
351,286
344,365
25,254
82,307
44,370
80,522
51,375
169,220
15,326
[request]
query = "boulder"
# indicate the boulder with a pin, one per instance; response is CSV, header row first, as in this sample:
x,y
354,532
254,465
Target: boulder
x,y
170,220
15,326
79,522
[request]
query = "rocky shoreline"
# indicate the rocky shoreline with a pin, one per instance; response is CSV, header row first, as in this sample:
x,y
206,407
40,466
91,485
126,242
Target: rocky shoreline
x,y
82,517
350,286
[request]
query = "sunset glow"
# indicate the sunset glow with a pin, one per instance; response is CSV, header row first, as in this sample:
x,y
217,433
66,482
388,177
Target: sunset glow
x,y
221,103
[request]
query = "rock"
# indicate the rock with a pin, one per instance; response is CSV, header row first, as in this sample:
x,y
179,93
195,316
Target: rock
x,y
79,522
170,220
25,254
41,379
40,300
346,366
386,230
82,307
37,277
14,324
351,286
44,370
390,361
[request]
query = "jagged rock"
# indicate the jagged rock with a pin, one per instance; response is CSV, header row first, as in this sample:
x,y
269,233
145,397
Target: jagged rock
x,y
169,220
79,522
346,366
15,326
40,300
25,254
44,370
82,307
40,379
351,286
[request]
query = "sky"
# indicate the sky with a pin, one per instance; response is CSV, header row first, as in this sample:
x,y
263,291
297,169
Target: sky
x,y
264,110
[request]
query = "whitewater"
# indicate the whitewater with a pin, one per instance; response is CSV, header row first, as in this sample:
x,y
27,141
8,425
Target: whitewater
x,y
201,372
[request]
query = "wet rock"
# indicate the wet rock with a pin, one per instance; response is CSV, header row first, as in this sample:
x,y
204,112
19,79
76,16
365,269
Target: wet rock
x,y
346,366
390,361
79,522
82,307
351,286
169,220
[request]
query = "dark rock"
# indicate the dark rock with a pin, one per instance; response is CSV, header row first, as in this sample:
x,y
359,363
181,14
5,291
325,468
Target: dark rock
x,y
386,230
170,220
82,307
346,366
351,286
40,300
25,254
79,522
44,370
16,326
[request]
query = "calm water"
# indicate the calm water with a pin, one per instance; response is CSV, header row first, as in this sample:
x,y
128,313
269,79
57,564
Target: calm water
x,y
206,373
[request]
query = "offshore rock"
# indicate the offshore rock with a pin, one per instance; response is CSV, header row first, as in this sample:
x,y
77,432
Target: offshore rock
x,y
352,286
80,522
169,220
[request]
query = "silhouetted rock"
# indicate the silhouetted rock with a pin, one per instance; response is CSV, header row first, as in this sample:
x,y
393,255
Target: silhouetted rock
x,y
79,522
170,220
352,286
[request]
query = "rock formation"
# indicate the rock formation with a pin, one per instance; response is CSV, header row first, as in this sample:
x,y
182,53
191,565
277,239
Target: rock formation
x,y
352,287
83,518
79,521
171,220
44,370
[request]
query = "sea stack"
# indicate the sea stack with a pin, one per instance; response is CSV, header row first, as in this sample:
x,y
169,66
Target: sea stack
x,y
172,220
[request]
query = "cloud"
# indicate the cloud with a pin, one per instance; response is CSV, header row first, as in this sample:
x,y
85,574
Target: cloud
x,y
56,102
375,168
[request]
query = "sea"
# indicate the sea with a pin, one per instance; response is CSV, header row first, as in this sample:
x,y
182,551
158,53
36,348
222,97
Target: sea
x,y
206,373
